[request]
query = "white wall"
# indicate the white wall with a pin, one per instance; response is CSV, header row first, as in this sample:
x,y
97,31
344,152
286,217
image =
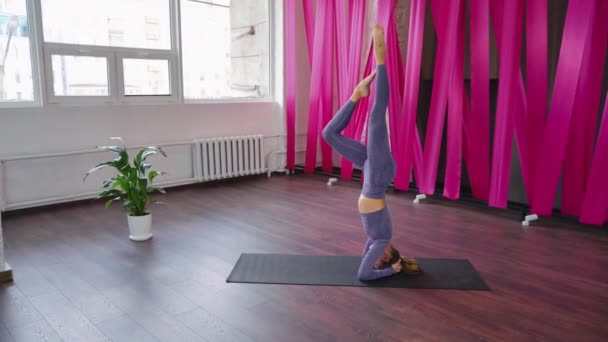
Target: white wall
x,y
28,131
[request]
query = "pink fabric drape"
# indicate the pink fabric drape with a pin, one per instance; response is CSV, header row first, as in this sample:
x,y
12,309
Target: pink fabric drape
x,y
456,101
536,79
407,128
552,152
290,79
461,123
508,30
515,121
327,105
343,41
352,22
309,24
446,52
477,120
321,86
595,204
584,119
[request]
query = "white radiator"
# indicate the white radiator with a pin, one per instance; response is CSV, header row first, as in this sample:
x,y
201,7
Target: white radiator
x,y
228,157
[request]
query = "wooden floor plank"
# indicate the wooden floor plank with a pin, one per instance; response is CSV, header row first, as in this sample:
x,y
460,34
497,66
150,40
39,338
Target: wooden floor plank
x,y
149,315
125,329
4,334
210,327
15,308
69,323
39,331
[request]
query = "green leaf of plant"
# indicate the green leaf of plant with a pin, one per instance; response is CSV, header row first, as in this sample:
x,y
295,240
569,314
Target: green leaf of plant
x,y
143,183
97,168
109,183
153,174
137,160
145,167
151,151
110,192
122,162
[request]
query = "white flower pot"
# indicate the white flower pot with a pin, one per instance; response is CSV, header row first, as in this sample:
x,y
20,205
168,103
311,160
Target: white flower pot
x,y
140,227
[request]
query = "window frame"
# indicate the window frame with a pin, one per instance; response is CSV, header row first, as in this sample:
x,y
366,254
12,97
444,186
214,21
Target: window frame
x,y
51,49
115,56
152,55
31,14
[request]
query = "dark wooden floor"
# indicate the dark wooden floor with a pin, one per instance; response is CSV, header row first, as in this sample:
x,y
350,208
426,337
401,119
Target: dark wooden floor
x,y
79,278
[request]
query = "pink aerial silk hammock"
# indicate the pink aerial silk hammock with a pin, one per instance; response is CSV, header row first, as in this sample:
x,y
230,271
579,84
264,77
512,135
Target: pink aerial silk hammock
x,y
461,122
477,120
508,32
407,128
595,204
446,53
579,149
321,86
459,117
309,25
290,79
553,149
455,101
536,80
350,48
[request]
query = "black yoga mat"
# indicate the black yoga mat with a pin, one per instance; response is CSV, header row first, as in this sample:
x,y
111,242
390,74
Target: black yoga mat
x,y
455,274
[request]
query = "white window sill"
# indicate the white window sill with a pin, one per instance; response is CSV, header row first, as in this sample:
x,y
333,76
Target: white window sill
x,y
157,103
138,102
229,100
21,104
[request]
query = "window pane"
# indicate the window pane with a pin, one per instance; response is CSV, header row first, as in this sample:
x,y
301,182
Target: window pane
x,y
146,77
225,49
16,82
125,23
80,76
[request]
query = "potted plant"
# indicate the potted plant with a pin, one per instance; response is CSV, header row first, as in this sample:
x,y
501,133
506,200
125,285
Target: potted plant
x,y
133,186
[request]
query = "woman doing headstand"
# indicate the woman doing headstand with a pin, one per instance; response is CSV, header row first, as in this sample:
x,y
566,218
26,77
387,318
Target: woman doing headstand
x,y
379,169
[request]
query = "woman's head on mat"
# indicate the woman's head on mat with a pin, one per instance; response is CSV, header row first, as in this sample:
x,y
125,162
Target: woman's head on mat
x,y
391,255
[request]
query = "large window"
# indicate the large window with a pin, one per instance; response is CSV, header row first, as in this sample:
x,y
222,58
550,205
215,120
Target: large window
x,y
225,49
110,50
16,78
124,51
